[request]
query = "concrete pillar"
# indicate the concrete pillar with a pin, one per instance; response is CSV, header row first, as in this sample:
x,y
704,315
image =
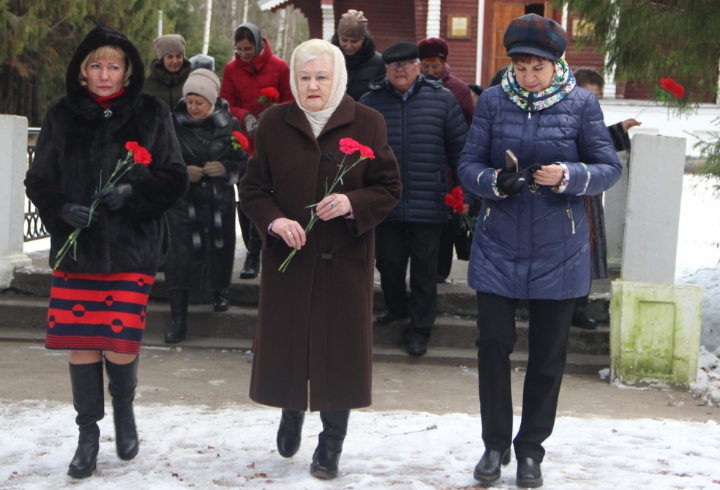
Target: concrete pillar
x,y
610,88
478,56
615,208
328,20
654,325
13,165
656,172
432,28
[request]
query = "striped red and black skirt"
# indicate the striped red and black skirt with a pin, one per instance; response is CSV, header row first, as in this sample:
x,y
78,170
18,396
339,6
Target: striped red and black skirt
x,y
98,311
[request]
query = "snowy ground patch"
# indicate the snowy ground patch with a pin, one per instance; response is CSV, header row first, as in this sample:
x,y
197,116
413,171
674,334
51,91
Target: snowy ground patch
x,y
234,447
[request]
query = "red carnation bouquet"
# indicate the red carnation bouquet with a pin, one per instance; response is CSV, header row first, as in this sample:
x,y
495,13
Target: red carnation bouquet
x,y
456,200
137,155
269,96
347,146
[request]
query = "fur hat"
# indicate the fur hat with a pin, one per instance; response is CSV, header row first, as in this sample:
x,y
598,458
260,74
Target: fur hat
x,y
535,35
433,48
202,82
353,24
169,43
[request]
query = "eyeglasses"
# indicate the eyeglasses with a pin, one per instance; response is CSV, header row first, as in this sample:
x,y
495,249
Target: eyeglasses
x,y
402,64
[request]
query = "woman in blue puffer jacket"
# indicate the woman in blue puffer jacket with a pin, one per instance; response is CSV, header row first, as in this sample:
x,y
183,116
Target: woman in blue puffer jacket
x,y
531,240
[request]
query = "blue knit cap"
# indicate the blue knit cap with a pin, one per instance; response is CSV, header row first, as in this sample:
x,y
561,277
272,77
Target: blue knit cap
x,y
535,35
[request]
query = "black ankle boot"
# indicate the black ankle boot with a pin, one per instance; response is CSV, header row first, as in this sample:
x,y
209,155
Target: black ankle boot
x,y
488,468
89,402
326,459
290,432
179,312
581,318
221,300
528,473
123,380
252,266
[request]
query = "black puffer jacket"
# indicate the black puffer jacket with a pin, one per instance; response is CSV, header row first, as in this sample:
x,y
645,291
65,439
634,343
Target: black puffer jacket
x,y
363,67
79,145
202,222
425,131
164,85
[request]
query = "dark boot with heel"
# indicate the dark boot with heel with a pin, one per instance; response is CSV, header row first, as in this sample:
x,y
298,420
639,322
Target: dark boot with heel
x,y
251,268
179,312
581,317
290,432
221,300
488,468
123,381
528,473
326,459
89,402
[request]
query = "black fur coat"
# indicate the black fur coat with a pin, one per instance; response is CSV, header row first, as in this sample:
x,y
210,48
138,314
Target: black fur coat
x,y
79,146
202,222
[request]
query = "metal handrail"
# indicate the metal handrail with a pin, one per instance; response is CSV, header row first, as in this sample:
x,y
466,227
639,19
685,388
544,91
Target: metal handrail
x,y
34,228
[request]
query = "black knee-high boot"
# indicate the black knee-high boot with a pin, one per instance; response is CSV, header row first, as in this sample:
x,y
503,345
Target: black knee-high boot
x,y
330,443
123,380
179,313
290,432
89,402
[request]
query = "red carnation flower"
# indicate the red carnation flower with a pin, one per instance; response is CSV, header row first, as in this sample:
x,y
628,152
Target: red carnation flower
x,y
240,139
349,146
270,93
139,154
672,87
455,200
367,152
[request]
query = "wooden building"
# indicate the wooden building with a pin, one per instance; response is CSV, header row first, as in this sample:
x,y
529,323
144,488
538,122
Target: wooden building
x,y
473,29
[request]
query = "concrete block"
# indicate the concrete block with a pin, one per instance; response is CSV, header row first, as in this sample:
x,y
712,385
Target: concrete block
x,y
653,209
655,333
13,165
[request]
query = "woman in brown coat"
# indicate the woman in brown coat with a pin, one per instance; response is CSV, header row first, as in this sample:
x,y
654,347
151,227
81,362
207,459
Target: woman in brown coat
x,y
315,322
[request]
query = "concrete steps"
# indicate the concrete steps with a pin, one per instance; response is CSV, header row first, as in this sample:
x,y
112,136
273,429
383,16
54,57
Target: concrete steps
x,y
23,311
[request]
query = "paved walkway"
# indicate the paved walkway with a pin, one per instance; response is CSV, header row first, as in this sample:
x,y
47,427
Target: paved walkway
x,y
177,376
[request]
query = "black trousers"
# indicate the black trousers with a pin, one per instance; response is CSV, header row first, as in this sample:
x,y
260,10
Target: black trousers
x,y
251,237
547,345
395,244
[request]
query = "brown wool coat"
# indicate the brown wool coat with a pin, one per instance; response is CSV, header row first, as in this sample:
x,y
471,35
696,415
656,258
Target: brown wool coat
x,y
315,319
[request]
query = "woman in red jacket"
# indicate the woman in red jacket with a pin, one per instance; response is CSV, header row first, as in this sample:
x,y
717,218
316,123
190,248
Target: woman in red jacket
x,y
253,69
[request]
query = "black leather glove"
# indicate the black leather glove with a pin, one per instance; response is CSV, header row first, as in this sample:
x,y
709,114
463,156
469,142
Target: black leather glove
x,y
527,173
510,183
115,198
251,124
78,216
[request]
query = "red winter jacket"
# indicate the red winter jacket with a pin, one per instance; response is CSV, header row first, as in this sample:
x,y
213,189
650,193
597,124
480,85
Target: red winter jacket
x,y
243,80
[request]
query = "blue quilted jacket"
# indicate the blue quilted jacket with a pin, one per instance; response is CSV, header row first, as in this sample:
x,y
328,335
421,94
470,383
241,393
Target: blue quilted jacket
x,y
536,246
425,131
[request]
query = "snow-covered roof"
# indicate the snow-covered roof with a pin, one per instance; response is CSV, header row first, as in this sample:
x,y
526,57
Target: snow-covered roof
x,y
270,4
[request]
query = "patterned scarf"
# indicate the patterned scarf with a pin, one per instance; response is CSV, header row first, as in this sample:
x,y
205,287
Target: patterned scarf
x,y
562,84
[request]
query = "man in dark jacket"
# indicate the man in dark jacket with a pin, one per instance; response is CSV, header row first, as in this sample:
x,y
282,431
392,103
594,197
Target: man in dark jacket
x,y
426,128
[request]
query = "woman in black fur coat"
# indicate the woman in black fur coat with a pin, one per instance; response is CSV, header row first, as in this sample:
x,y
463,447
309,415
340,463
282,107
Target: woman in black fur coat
x,y
100,289
202,222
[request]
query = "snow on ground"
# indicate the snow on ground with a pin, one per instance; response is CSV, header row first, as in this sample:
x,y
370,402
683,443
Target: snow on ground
x,y
698,254
234,447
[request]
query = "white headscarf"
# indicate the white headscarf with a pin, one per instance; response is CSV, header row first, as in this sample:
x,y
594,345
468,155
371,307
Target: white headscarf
x,y
309,50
